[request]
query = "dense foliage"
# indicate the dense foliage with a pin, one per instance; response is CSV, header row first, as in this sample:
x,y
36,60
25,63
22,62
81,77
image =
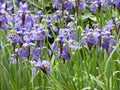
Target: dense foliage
x,y
59,44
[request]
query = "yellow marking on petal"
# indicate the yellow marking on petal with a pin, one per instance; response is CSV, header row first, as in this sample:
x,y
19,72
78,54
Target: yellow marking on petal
x,y
45,65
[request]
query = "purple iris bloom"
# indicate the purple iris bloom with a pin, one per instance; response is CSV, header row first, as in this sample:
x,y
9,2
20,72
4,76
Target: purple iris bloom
x,y
48,21
97,4
82,4
112,41
43,65
116,3
54,46
106,30
92,39
72,34
57,15
110,22
2,1
14,37
5,20
9,5
36,52
23,7
94,7
24,19
55,29
38,35
37,63
65,56
109,1
68,5
17,39
104,6
89,1
90,36
57,4
24,51
39,13
63,34
105,43
29,21
73,45
108,43
12,58
54,4
62,51
27,37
